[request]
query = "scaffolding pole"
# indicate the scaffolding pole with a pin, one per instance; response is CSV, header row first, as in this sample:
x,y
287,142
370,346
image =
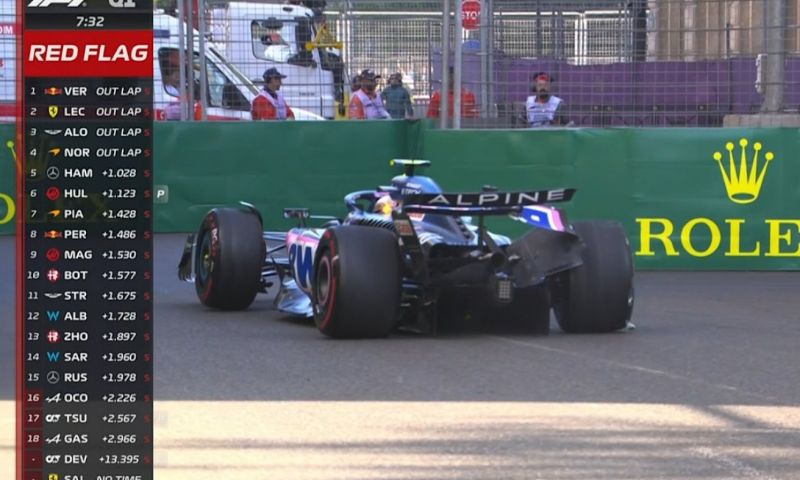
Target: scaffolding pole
x,y
457,61
445,104
775,11
484,26
201,26
182,99
190,61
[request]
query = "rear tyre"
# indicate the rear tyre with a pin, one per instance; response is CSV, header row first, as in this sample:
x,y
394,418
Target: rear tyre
x,y
228,259
357,282
597,296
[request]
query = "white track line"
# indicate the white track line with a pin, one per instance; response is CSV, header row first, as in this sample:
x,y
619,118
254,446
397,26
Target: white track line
x,y
636,368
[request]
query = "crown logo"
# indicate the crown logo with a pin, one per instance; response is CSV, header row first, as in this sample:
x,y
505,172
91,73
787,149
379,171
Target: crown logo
x,y
742,184
10,145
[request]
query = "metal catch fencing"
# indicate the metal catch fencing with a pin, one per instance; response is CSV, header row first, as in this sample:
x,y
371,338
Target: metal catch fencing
x,y
611,62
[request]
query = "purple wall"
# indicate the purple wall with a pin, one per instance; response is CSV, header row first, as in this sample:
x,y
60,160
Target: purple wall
x,y
641,93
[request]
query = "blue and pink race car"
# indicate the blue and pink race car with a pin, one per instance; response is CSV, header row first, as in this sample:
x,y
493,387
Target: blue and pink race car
x,y
409,256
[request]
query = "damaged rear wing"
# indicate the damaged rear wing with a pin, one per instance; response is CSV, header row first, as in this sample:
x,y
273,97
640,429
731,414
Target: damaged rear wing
x,y
483,203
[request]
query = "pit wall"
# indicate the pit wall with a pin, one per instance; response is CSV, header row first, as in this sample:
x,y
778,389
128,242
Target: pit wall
x,y
682,208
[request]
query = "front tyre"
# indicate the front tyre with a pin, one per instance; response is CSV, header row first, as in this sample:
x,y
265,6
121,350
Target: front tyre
x,y
357,282
229,255
597,296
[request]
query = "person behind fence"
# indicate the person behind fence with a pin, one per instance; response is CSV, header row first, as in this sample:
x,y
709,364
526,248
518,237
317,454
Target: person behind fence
x,y
469,107
170,69
543,109
367,104
270,104
276,48
398,101
355,84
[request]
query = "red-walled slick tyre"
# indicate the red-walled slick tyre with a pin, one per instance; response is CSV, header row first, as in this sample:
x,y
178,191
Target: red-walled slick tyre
x,y
357,282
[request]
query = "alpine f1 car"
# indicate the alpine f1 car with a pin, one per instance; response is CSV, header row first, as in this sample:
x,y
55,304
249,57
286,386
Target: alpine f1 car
x,y
407,255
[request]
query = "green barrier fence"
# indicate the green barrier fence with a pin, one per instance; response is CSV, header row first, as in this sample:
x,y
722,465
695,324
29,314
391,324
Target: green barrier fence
x,y
271,165
689,198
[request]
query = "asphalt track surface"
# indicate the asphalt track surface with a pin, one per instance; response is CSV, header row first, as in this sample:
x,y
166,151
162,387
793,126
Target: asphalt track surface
x,y
707,387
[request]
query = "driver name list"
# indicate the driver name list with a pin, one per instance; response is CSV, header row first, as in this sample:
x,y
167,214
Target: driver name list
x,y
86,390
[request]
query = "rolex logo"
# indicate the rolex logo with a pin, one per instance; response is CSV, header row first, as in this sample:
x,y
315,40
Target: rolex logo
x,y
743,184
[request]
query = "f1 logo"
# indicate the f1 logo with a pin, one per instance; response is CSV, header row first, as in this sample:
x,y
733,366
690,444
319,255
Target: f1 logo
x,y
122,3
47,3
